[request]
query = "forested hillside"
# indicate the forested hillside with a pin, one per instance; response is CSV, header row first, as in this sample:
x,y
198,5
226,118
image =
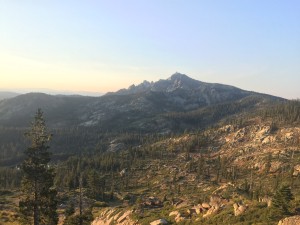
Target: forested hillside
x,y
89,124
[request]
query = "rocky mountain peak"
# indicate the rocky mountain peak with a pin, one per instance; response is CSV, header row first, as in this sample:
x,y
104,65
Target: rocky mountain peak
x,y
179,76
176,81
182,81
134,89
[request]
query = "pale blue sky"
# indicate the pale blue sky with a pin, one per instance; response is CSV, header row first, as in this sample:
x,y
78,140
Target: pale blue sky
x,y
102,46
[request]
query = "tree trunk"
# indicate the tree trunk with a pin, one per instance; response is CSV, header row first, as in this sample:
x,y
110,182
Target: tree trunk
x,y
36,209
80,201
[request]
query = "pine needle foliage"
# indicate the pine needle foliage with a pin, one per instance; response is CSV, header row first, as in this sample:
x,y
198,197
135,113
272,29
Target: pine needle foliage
x,y
38,203
281,202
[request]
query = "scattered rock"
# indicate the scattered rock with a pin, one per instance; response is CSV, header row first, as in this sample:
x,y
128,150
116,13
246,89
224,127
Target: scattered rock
x,y
174,213
179,218
227,129
296,170
268,139
191,211
213,210
217,201
267,200
289,136
181,204
275,166
152,202
198,209
116,147
123,172
205,205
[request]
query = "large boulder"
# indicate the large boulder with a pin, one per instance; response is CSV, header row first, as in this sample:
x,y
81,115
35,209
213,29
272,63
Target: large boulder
x,y
159,222
174,213
296,170
293,220
239,209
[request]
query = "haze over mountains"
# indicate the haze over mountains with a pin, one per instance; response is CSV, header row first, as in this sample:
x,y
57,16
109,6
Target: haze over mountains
x,y
142,107
191,140
7,94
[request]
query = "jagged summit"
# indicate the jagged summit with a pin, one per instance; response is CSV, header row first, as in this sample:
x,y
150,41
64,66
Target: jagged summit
x,y
182,81
185,92
178,75
176,81
179,82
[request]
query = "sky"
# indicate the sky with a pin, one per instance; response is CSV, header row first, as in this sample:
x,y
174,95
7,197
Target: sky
x,y
104,45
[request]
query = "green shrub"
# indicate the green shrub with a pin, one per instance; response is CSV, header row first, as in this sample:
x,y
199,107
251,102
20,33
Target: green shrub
x,y
100,204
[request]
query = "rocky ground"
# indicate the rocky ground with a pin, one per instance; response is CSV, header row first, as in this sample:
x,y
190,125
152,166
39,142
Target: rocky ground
x,y
257,150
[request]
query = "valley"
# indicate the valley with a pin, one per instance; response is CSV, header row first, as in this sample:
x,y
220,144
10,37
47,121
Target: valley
x,y
176,151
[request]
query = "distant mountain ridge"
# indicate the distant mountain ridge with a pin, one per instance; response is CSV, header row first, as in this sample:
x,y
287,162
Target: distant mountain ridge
x,y
185,89
7,94
142,107
175,82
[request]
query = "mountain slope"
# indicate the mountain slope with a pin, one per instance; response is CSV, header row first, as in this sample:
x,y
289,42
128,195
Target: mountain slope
x,y
142,107
190,94
6,95
187,92
154,105
60,110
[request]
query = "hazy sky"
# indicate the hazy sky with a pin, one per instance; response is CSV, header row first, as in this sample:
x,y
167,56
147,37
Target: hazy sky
x,y
106,45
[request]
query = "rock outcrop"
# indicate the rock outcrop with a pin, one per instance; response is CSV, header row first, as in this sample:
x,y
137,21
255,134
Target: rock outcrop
x,y
293,220
112,216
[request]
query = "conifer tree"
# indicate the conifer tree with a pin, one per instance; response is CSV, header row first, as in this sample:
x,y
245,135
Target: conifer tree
x,y
84,216
281,202
96,185
39,203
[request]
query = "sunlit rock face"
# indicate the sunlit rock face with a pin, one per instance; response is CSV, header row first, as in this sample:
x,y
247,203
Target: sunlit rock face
x,y
112,216
293,220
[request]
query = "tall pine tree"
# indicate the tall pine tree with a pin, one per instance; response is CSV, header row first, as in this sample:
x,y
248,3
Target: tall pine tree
x,y
38,203
281,202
